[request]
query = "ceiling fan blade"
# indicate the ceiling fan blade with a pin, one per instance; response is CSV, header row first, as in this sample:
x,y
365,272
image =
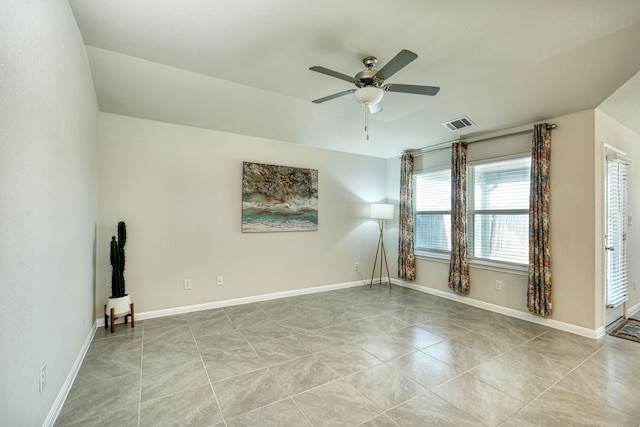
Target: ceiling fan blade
x,y
416,89
335,95
396,64
332,73
375,108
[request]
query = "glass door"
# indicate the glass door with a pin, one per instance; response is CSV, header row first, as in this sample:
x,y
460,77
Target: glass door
x,y
616,237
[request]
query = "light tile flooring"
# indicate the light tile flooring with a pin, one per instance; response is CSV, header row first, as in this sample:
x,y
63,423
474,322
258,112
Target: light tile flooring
x,y
353,357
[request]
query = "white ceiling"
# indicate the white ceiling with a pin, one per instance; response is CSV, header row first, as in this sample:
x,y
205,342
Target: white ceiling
x,y
242,66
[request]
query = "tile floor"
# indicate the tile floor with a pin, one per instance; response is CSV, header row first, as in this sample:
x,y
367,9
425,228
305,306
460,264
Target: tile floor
x,y
353,357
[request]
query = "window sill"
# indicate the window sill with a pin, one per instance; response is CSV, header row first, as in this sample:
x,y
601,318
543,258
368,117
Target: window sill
x,y
432,256
520,270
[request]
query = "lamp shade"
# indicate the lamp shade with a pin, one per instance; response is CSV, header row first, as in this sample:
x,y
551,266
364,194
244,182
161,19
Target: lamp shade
x,y
368,95
381,211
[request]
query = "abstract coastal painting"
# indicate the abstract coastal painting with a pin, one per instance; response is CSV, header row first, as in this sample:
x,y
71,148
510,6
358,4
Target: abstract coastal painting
x,y
278,198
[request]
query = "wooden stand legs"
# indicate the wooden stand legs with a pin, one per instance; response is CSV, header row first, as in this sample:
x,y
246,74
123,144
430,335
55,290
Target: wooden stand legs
x,y
130,314
113,318
383,257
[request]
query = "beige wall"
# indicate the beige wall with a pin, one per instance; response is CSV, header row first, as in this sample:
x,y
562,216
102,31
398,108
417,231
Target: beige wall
x,y
575,268
48,204
179,191
610,131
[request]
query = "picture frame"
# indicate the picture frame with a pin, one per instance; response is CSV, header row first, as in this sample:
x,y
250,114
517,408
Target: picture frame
x,y
278,198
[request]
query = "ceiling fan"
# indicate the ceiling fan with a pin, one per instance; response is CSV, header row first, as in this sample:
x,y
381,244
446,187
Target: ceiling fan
x,y
370,86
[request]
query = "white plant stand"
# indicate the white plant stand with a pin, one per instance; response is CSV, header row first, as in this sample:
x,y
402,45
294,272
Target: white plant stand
x,y
116,308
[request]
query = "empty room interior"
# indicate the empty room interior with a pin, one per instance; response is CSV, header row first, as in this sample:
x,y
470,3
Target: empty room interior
x,y
363,213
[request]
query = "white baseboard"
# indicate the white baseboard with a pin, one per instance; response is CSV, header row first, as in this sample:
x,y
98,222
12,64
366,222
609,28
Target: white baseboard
x,y
234,301
567,327
66,387
633,310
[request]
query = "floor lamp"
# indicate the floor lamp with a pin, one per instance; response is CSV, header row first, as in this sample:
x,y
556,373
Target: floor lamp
x,y
381,211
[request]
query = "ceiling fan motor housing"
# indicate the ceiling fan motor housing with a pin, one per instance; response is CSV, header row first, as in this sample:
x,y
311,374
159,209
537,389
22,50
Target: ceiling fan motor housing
x,y
367,78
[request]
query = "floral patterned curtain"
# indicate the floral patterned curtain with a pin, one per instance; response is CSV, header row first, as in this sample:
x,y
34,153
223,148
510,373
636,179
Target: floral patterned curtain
x,y
459,264
539,295
406,257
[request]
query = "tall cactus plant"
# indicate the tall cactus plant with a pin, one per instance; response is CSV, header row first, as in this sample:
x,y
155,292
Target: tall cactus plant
x,y
117,261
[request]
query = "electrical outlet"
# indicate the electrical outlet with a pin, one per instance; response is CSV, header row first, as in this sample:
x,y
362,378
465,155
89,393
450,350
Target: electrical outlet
x,y
187,284
498,285
220,280
43,377
356,267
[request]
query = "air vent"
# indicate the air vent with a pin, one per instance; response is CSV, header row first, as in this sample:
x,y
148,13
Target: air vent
x,y
459,123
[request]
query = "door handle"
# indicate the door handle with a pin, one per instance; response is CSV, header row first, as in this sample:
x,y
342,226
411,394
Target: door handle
x,y
610,248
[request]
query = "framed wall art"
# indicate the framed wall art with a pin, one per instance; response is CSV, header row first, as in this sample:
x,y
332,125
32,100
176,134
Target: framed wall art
x,y
278,198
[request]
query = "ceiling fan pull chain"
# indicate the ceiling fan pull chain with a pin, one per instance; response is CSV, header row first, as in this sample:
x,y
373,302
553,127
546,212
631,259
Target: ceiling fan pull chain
x,y
366,120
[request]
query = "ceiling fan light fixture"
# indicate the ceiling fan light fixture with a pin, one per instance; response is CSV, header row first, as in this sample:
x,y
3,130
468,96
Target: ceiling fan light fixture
x,y
368,95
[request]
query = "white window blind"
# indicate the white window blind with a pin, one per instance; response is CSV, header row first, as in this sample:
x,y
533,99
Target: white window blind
x,y
499,210
433,211
616,238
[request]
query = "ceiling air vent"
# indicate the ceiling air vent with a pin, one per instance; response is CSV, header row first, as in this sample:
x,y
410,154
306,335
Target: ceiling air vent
x,y
459,123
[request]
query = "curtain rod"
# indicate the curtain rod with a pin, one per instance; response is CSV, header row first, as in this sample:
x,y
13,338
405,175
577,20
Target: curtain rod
x,y
447,144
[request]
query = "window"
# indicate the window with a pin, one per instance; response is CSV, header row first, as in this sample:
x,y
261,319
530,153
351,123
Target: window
x,y
497,208
433,211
